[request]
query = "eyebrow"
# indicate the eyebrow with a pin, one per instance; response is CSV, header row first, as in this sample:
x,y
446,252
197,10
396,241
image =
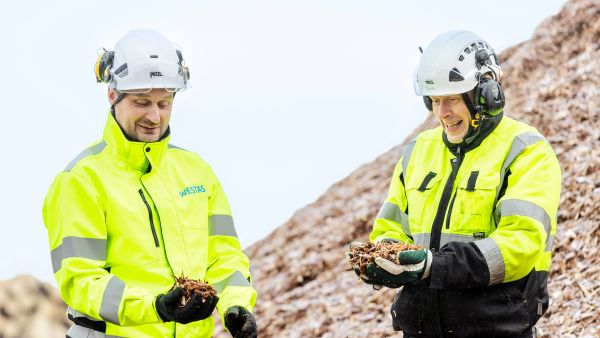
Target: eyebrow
x,y
447,96
143,95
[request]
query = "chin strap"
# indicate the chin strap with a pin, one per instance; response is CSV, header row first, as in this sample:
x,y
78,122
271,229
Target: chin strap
x,y
119,99
476,119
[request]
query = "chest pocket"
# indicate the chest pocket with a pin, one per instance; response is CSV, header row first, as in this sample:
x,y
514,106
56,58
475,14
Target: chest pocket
x,y
421,192
472,212
193,213
193,208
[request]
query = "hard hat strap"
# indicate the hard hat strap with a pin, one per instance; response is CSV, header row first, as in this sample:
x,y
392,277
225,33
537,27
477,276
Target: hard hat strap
x,y
117,100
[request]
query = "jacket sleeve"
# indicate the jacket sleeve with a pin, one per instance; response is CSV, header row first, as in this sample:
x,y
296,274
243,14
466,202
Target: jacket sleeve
x,y
392,219
74,217
525,218
229,268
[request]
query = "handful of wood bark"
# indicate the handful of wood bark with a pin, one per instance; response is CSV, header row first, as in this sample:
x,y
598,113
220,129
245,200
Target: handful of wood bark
x,y
191,287
361,254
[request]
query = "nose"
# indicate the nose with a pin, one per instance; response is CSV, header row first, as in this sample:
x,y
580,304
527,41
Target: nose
x,y
153,114
444,108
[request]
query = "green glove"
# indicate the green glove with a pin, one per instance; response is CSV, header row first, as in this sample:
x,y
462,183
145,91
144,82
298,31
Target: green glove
x,y
414,266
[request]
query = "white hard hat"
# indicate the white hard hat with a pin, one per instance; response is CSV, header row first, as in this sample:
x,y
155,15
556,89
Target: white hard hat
x,y
453,63
141,61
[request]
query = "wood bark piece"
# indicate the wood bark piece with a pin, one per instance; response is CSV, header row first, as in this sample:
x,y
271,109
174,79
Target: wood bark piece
x,y
191,287
365,253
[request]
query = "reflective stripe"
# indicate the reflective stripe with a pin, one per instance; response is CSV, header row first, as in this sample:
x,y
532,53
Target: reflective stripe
x,y
549,243
76,314
514,207
91,248
93,150
493,257
77,331
519,144
221,225
111,300
392,212
423,239
172,146
235,279
406,155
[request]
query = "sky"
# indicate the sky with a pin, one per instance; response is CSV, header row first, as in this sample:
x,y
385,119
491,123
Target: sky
x,y
287,97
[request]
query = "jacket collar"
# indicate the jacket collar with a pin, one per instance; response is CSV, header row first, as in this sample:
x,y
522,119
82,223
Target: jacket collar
x,y
140,155
474,137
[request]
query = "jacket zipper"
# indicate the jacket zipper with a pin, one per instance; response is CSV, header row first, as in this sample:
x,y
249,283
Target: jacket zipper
x,y
436,227
150,217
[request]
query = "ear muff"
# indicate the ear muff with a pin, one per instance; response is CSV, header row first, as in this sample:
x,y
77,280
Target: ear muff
x,y
184,70
179,56
428,102
103,65
489,97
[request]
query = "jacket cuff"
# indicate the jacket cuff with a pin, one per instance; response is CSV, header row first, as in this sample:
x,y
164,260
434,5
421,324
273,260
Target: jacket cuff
x,y
438,272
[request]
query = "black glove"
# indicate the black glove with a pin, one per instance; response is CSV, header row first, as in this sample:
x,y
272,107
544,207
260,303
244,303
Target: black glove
x,y
240,322
195,309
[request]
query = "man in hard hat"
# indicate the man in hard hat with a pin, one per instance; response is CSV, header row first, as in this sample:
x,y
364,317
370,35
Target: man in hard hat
x,y
480,194
132,211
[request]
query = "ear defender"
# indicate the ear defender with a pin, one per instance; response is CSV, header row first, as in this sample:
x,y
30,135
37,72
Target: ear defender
x,y
428,102
489,97
183,70
103,65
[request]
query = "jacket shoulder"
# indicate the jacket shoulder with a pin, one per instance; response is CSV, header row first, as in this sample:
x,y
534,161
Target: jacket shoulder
x,y
183,155
509,129
90,152
434,134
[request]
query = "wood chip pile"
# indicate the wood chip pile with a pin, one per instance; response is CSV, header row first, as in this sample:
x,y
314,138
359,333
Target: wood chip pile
x,y
551,81
31,309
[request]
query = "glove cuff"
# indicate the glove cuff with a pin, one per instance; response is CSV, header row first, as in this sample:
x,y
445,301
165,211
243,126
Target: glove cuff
x,y
160,310
428,262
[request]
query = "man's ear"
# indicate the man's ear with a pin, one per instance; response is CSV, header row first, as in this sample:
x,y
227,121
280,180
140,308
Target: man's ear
x,y
112,95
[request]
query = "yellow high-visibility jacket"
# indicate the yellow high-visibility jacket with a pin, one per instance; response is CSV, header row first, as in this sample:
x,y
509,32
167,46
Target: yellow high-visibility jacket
x,y
488,213
124,218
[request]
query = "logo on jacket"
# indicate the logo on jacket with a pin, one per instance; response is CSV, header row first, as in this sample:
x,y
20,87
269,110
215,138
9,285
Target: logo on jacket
x,y
192,189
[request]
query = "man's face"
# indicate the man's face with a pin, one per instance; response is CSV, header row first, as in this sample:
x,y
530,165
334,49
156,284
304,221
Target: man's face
x,y
454,116
143,117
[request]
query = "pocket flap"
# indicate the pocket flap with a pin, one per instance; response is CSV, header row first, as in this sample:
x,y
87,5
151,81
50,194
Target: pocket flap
x,y
476,180
423,182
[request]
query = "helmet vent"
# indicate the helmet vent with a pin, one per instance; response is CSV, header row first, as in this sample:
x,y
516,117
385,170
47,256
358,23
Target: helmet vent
x,y
455,76
122,70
